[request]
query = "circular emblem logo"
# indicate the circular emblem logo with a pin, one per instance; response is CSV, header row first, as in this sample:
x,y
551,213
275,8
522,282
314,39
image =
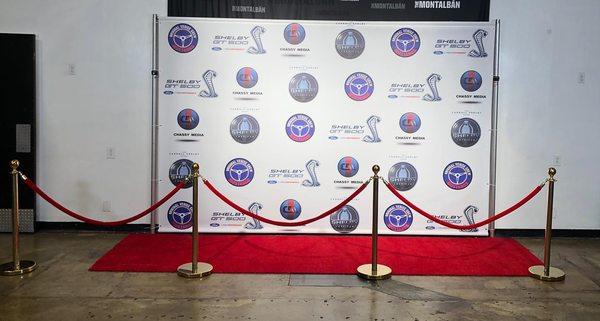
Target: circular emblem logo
x,y
458,175
247,77
183,38
290,209
359,86
398,217
300,128
410,123
303,87
405,42
188,119
239,172
470,80
345,220
294,33
348,166
403,176
180,215
179,171
350,43
244,129
465,132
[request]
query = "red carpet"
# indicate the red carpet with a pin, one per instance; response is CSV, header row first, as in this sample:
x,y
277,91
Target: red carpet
x,y
321,254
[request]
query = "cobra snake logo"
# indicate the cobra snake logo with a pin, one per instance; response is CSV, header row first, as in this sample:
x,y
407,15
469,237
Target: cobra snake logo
x,y
478,37
469,215
372,124
208,79
432,81
255,33
255,224
311,168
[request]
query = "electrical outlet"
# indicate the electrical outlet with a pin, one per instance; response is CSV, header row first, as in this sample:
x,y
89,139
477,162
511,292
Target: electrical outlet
x,y
581,78
71,69
106,206
556,160
110,153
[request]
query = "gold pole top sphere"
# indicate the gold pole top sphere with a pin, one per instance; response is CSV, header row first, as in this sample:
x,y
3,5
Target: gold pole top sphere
x,y
195,166
376,169
14,164
551,171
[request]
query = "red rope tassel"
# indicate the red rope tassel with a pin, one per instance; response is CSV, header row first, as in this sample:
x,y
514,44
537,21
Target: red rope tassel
x,y
67,211
465,227
279,223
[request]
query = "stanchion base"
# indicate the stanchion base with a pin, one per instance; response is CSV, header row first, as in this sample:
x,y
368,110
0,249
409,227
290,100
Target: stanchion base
x,y
185,270
8,269
365,272
537,271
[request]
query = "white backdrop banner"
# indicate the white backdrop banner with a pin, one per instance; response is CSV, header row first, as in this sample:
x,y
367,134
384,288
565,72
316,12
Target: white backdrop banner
x,y
286,118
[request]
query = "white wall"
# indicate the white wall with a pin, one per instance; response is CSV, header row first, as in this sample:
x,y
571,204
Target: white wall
x,y
544,111
106,103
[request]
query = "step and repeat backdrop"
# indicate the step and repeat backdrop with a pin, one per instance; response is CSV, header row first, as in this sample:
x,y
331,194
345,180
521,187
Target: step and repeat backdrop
x,y
287,118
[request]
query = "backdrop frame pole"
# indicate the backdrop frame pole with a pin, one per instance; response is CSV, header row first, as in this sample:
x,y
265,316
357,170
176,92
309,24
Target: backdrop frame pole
x,y
494,130
154,156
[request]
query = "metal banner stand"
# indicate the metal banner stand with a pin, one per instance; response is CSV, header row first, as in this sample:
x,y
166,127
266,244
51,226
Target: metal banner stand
x,y
374,271
154,149
546,272
494,130
17,266
195,269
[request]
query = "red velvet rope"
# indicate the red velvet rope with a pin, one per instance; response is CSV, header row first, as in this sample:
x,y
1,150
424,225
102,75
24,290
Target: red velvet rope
x,y
471,226
279,223
67,211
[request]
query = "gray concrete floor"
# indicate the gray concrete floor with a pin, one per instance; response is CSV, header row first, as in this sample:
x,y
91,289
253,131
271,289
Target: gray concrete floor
x,y
63,289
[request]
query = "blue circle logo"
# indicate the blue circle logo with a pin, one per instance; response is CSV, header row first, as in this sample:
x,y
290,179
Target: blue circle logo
x,y
345,220
300,128
398,217
348,166
403,176
188,119
180,215
290,209
247,77
470,80
405,42
359,86
294,33
239,172
458,175
303,87
183,38
179,171
410,123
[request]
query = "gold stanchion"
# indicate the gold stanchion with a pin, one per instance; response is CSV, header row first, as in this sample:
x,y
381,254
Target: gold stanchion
x,y
374,271
546,272
17,266
195,269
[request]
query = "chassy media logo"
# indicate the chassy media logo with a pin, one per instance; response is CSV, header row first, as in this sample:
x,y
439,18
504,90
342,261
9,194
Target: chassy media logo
x,y
247,77
290,209
405,42
183,38
350,43
457,175
359,86
300,128
244,129
179,171
403,176
470,80
303,87
188,119
239,172
179,215
345,220
348,166
294,33
398,217
410,123
465,132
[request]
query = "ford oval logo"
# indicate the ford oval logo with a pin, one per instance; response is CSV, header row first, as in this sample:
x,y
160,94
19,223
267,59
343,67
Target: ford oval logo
x,y
392,96
214,224
333,137
272,182
216,48
430,227
168,92
437,52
